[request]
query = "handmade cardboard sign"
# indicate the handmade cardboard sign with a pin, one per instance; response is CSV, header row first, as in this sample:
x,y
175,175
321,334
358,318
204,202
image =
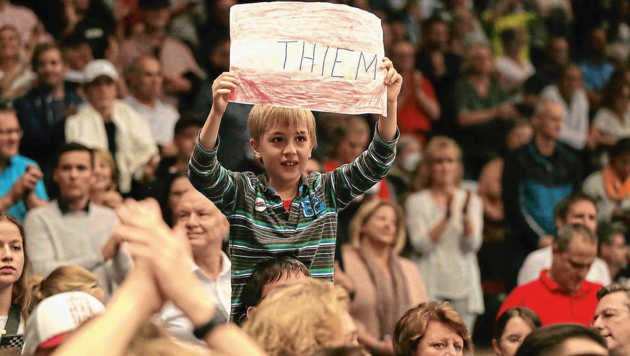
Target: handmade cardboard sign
x,y
316,56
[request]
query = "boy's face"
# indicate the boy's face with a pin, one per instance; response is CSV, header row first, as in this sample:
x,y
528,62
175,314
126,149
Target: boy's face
x,y
284,152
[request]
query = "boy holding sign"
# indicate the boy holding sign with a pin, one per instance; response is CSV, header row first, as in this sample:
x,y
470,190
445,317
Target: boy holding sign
x,y
283,211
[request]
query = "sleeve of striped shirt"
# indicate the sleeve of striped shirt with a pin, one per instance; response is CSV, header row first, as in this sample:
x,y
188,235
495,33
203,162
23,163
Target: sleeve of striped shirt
x,y
353,179
210,178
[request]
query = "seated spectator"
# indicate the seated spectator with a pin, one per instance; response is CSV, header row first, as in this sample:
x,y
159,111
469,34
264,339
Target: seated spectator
x,y
417,105
104,188
68,278
610,187
513,71
160,274
613,248
612,318
178,187
428,325
440,67
91,20
386,285
570,95
182,75
564,340
490,182
77,53
21,185
106,123
482,111
205,227
596,69
267,276
445,225
466,31
55,318
73,231
145,82
511,328
535,177
24,21
491,255
16,76
15,294
612,121
558,56
573,209
408,156
42,112
503,15
301,319
561,294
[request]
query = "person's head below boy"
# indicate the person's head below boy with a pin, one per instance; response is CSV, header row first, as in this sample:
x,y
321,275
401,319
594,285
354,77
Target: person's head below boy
x,y
268,275
282,140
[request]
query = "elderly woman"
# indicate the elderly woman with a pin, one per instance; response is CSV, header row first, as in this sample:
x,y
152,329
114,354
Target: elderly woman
x,y
511,329
445,230
387,285
432,329
16,75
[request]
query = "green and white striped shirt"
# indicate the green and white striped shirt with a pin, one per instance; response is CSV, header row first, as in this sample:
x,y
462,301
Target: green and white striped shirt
x,y
260,226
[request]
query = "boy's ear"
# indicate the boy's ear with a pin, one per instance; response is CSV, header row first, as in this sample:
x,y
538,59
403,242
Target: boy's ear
x,y
254,145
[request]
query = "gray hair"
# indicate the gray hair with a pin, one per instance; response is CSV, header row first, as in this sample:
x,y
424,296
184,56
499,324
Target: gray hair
x,y
568,232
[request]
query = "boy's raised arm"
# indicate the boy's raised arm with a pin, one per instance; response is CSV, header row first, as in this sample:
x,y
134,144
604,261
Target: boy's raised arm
x,y
221,88
393,81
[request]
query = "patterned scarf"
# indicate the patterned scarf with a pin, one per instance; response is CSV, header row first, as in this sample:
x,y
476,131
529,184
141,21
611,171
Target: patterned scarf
x,y
615,188
392,296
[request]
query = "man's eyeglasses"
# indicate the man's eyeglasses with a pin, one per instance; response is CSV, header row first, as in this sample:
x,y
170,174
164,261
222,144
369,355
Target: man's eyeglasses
x,y
608,314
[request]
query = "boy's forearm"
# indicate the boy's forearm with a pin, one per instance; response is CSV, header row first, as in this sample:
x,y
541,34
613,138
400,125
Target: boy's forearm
x,y
210,130
387,125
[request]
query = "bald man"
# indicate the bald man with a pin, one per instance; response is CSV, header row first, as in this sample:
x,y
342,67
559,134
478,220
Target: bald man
x,y
146,79
204,227
535,178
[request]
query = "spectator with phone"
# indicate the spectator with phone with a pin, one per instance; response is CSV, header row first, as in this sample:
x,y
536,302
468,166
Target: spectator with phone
x,y
21,184
445,230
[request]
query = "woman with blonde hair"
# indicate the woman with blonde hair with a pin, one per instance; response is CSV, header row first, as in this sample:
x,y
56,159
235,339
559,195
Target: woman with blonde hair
x,y
68,278
432,329
387,285
445,230
300,319
104,190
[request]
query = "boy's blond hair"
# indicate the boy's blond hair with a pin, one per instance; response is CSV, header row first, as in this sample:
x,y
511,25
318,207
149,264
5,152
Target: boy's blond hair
x,y
263,117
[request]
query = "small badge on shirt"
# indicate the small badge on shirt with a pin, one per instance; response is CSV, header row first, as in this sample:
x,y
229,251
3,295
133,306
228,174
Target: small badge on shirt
x,y
260,205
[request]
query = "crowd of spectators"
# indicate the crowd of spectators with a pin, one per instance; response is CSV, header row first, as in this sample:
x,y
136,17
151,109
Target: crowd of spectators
x,y
505,212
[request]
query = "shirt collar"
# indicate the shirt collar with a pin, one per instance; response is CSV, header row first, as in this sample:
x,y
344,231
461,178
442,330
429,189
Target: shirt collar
x,y
303,186
226,267
65,207
553,287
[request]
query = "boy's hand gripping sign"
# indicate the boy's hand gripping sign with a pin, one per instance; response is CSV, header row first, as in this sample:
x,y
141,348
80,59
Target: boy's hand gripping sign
x,y
315,56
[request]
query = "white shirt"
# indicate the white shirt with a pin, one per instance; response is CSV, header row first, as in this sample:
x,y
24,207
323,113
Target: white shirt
x,y
219,292
608,123
134,144
542,259
513,73
594,188
575,121
161,118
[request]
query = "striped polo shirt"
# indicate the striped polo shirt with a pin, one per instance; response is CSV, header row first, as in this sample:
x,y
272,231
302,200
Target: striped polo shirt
x,y
260,226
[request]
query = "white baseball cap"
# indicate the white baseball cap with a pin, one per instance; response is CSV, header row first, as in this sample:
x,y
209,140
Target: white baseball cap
x,y
57,315
100,67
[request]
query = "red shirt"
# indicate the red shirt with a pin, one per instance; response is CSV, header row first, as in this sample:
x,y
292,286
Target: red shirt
x,y
552,303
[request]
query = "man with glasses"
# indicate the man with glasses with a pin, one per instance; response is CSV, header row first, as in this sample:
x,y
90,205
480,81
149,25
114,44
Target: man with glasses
x,y
612,318
21,186
561,294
